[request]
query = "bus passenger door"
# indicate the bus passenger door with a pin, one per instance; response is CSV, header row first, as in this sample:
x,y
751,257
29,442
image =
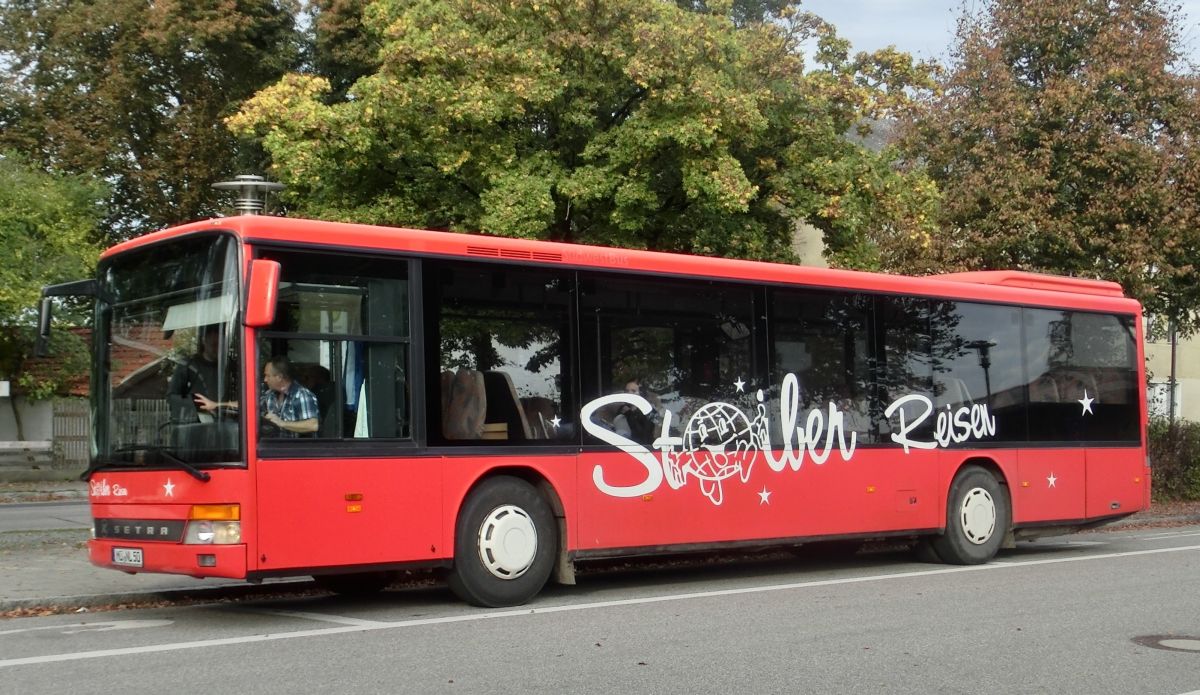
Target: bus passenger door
x,y
347,511
346,491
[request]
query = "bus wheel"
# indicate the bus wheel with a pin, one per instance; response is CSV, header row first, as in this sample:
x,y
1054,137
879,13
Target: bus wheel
x,y
355,584
504,544
977,517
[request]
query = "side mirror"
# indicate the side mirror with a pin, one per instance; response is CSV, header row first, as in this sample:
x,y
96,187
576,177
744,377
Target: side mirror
x,y
77,288
262,293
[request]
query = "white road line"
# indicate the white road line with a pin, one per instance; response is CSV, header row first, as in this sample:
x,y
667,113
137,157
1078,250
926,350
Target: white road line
x,y
1161,536
516,612
322,617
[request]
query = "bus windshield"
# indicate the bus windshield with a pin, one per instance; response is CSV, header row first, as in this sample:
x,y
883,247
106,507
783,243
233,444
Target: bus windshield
x,y
169,347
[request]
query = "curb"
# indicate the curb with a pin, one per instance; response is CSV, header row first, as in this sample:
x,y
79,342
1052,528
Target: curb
x,y
213,593
1136,520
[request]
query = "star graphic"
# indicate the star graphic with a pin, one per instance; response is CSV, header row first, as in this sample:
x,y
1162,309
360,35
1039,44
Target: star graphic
x,y
741,385
169,488
555,422
1051,479
764,496
1086,403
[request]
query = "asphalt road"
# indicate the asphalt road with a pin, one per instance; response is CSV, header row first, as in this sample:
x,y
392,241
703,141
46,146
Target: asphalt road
x,y
1115,612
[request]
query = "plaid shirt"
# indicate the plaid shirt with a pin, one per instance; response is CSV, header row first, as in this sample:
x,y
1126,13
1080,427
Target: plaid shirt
x,y
298,404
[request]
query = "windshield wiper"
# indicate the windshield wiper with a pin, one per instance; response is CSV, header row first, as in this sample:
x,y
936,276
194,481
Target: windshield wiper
x,y
164,456
98,465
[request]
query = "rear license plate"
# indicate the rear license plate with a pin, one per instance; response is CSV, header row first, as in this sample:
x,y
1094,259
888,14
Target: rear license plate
x,y
129,557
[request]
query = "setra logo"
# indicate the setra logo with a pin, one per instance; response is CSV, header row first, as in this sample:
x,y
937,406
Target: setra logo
x,y
101,488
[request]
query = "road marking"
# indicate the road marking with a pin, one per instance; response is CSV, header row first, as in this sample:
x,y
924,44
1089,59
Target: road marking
x,y
76,628
322,617
517,612
1162,536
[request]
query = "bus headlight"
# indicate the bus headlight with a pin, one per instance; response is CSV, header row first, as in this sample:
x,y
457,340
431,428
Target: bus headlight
x,y
214,524
213,533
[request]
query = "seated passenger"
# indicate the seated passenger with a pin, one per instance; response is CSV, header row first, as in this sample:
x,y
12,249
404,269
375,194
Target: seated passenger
x,y
632,422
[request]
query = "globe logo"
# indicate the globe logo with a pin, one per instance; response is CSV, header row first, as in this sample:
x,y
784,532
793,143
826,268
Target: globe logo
x,y
718,443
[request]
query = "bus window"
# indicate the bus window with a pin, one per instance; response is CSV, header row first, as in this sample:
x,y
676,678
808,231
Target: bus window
x,y
342,324
904,360
822,338
977,361
498,342
1075,357
682,345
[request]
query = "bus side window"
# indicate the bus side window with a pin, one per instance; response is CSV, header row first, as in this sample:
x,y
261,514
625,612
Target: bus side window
x,y
498,347
357,369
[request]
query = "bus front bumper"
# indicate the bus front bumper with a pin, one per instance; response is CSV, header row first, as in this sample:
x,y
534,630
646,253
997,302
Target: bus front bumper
x,y
228,561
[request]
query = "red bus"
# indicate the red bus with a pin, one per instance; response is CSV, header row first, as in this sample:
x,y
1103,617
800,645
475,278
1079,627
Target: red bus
x,y
503,409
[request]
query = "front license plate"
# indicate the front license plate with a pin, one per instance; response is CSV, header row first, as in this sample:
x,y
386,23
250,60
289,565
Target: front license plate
x,y
129,557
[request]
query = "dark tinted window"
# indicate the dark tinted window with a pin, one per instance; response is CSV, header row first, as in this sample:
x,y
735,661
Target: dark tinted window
x,y
1082,376
977,361
904,353
682,345
823,339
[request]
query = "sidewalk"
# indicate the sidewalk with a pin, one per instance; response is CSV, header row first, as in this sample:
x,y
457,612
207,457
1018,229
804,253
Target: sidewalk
x,y
48,570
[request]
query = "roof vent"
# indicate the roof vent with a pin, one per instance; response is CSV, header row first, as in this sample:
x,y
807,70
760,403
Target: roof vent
x,y
251,191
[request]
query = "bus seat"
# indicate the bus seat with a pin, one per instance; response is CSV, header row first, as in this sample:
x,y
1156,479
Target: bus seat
x,y
503,405
539,412
466,406
447,385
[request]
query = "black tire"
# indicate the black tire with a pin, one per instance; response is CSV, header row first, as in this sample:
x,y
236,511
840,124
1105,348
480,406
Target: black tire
x,y
356,584
977,518
491,573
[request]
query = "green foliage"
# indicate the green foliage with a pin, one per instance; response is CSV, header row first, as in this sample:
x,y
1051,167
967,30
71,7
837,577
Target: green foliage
x,y
625,123
135,93
1064,139
47,224
1175,457
72,358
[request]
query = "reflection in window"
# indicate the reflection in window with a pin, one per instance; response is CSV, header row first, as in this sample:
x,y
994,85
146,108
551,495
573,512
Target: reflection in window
x,y
821,337
168,318
1073,357
905,364
679,345
500,353
977,361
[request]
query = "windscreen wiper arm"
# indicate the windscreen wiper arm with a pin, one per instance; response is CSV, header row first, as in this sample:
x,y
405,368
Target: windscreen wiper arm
x,y
196,473
97,465
165,455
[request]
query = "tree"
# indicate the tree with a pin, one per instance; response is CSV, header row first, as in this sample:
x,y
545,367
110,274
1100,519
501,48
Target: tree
x,y
1064,139
627,123
47,224
135,92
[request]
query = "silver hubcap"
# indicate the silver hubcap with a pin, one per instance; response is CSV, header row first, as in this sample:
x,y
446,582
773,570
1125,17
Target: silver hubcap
x,y
507,542
978,516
